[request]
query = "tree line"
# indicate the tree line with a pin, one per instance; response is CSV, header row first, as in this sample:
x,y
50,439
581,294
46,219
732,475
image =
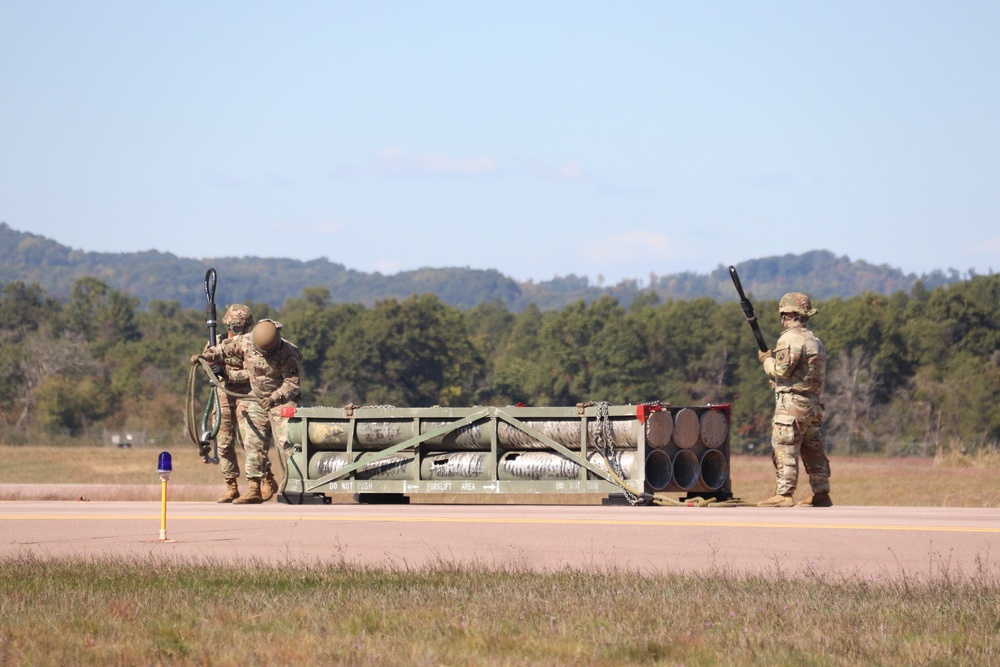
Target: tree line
x,y
907,372
151,275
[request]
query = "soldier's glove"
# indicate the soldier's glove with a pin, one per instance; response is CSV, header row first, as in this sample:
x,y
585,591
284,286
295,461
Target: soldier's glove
x,y
267,402
219,370
766,354
195,359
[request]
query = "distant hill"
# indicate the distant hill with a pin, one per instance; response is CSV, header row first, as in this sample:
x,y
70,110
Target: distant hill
x,y
153,275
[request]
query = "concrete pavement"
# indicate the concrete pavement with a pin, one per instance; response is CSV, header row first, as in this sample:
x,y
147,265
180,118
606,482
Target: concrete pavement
x,y
869,542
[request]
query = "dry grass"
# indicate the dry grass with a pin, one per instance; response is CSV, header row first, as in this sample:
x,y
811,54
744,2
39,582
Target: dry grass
x,y
912,482
44,464
956,456
951,479
149,612
68,473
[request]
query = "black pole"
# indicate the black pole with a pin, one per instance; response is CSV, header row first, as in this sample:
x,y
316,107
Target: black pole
x,y
210,313
748,311
208,446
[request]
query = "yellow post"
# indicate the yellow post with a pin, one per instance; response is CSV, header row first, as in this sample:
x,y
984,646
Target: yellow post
x,y
164,468
163,510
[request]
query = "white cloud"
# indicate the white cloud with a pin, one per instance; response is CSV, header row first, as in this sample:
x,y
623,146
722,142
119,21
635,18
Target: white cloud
x,y
482,164
394,159
570,170
983,256
386,266
400,161
988,249
327,227
632,247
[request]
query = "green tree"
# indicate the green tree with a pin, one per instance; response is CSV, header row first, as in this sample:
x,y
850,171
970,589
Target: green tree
x,y
951,321
564,341
71,404
410,353
617,356
314,325
518,369
859,337
25,312
43,357
489,326
101,315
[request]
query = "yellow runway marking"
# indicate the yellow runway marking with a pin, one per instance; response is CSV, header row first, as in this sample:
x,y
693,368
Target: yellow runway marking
x,y
515,520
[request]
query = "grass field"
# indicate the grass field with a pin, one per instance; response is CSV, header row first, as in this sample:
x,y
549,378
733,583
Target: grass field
x,y
116,611
945,481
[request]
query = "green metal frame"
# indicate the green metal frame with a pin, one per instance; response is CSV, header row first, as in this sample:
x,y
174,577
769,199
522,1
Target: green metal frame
x,y
592,479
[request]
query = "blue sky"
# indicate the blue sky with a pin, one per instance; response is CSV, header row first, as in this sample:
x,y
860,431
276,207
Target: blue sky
x,y
611,140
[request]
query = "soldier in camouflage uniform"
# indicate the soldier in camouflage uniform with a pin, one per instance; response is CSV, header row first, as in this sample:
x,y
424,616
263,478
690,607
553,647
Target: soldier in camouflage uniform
x,y
797,369
271,365
239,320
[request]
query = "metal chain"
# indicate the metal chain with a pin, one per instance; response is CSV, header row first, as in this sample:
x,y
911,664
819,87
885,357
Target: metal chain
x,y
602,432
605,444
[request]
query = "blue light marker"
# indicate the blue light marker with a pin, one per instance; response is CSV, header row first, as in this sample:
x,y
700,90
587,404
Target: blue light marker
x,y
164,467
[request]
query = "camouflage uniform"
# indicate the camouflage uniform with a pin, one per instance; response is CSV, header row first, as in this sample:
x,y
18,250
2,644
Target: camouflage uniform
x,y
797,370
272,375
237,315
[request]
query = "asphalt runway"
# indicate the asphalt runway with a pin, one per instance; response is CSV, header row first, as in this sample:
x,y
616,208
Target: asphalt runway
x,y
916,543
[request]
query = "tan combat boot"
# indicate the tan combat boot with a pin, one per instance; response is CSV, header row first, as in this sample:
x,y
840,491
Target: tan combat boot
x,y
777,501
268,486
821,499
232,492
253,493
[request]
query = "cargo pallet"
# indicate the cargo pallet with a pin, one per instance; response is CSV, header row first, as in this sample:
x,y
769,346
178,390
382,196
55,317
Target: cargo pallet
x,y
389,454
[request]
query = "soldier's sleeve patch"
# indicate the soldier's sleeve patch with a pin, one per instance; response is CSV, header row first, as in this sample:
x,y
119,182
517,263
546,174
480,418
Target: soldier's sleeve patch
x,y
781,356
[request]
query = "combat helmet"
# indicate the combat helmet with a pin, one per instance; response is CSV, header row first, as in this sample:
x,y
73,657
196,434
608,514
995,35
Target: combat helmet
x,y
798,303
267,335
239,316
